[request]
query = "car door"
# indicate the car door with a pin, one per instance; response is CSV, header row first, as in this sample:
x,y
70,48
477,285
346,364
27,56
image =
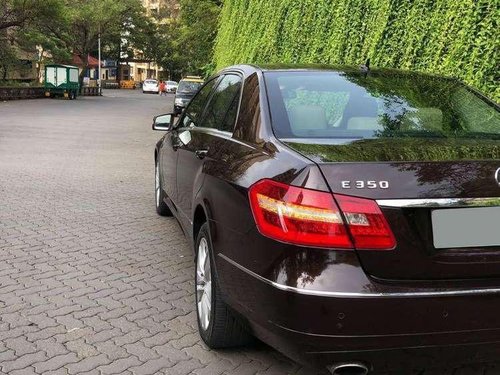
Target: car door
x,y
168,165
202,141
177,137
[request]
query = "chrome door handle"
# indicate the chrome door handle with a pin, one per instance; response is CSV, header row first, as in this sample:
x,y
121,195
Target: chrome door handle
x,y
200,154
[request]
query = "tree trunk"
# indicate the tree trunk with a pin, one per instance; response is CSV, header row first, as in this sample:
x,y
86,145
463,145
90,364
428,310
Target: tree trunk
x,y
4,75
39,67
118,70
118,62
85,60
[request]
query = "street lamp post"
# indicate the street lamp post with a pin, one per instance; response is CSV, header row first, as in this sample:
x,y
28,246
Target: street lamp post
x,y
99,67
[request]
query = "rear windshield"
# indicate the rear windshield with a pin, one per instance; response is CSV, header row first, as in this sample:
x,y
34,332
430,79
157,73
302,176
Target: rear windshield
x,y
188,86
333,105
171,83
150,81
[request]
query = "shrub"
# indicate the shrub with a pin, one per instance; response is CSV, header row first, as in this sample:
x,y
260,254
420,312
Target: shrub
x,y
451,37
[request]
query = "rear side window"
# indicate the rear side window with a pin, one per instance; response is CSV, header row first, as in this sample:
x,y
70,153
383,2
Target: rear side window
x,y
357,106
222,109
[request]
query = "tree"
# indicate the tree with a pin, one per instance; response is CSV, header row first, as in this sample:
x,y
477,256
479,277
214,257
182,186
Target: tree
x,y
186,45
83,21
7,58
48,48
19,20
198,30
19,13
59,28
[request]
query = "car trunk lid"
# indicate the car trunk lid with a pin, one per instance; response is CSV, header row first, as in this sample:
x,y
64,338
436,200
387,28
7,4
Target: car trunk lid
x,y
417,199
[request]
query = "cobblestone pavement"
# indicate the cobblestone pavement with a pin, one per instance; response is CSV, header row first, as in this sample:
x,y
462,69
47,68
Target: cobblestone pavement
x,y
92,281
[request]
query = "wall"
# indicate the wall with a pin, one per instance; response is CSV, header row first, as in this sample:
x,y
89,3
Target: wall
x,y
451,37
12,93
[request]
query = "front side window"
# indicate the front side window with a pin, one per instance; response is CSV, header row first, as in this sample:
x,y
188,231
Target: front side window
x,y
197,105
222,109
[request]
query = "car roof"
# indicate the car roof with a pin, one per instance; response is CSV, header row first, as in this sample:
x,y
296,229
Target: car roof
x,y
61,66
191,80
347,69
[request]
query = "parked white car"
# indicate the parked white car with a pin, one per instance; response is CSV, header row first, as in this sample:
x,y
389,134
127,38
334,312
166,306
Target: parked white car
x,y
150,85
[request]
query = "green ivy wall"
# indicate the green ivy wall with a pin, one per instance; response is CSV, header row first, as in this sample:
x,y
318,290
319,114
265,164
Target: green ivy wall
x,y
458,38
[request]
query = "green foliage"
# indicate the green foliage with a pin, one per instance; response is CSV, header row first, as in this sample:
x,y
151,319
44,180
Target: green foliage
x,y
402,149
79,23
7,58
452,37
20,35
59,28
185,46
19,13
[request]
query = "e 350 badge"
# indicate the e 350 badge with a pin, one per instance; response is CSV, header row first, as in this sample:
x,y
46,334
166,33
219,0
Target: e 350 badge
x,y
361,184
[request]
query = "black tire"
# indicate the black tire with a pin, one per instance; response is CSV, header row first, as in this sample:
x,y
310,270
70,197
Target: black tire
x,y
161,207
225,329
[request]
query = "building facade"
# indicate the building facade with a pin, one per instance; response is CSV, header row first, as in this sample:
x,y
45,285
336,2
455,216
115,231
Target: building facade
x,y
162,11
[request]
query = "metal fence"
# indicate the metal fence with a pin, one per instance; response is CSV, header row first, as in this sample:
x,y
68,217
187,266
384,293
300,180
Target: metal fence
x,y
90,91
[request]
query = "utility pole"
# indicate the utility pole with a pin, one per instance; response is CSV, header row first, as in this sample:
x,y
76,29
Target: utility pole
x,y
99,58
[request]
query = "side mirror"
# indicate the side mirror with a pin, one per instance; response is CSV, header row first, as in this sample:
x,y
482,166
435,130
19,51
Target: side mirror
x,y
163,122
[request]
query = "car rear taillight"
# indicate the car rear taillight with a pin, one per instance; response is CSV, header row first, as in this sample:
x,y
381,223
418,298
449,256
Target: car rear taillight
x,y
367,224
312,218
296,215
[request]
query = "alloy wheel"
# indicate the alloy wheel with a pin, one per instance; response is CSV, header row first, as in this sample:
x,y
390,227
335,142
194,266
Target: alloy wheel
x,y
203,284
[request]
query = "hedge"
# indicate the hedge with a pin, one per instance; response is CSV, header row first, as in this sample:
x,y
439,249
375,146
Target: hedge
x,y
457,38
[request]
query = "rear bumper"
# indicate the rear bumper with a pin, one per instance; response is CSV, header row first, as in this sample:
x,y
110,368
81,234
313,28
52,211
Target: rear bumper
x,y
387,331
401,358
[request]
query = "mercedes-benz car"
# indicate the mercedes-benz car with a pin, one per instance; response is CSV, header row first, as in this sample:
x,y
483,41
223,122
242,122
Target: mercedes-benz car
x,y
347,217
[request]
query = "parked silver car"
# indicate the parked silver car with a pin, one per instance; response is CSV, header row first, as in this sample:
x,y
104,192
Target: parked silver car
x,y
171,86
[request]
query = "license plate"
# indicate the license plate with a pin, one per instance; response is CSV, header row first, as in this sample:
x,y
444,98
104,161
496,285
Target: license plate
x,y
466,227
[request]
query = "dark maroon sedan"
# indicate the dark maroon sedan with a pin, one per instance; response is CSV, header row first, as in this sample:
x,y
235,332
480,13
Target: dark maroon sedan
x,y
348,217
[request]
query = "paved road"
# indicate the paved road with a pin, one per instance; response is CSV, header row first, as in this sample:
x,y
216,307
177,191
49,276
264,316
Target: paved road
x,y
91,279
